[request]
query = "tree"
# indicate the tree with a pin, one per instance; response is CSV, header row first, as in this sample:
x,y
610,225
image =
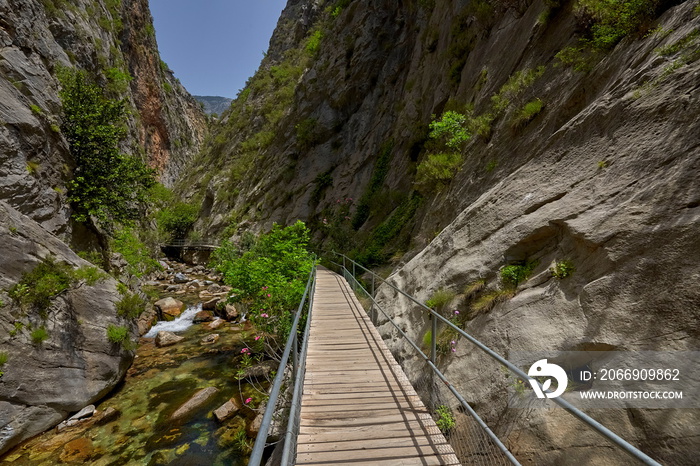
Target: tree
x,y
107,186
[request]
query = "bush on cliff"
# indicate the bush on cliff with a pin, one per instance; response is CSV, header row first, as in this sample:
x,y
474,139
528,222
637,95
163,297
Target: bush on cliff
x,y
269,279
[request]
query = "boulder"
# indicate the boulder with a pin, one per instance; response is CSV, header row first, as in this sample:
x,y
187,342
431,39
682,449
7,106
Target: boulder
x,y
228,409
167,339
210,305
147,320
169,308
210,339
229,312
216,323
197,400
203,316
180,278
84,413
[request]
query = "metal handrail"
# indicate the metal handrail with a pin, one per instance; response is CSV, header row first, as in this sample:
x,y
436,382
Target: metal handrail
x,y
595,425
292,342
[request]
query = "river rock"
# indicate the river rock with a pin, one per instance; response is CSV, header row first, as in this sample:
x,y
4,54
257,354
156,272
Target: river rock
x,y
167,339
260,370
108,415
214,288
169,308
228,409
216,323
172,287
210,339
253,428
146,320
203,316
195,402
210,305
180,278
228,312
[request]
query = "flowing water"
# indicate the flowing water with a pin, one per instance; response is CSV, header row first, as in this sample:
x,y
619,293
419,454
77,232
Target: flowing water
x,y
160,381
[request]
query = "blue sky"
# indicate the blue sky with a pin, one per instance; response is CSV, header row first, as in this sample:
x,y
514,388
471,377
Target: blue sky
x,y
214,46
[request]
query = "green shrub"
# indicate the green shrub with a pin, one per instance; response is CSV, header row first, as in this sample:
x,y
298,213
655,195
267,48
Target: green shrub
x,y
529,111
91,275
119,334
445,419
3,358
44,282
313,43
130,306
270,278
610,21
511,275
134,252
177,219
488,300
516,84
437,170
18,326
440,299
307,134
36,110
117,80
39,335
450,130
562,269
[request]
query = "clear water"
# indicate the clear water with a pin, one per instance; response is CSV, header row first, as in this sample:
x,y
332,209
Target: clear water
x,y
158,383
180,324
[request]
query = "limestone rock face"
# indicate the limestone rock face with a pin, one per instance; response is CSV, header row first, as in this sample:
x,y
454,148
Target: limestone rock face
x,y
76,365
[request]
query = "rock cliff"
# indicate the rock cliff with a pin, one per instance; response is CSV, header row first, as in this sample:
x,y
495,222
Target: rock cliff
x,y
583,151
59,358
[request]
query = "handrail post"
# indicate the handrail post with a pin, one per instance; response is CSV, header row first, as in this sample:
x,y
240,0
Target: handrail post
x,y
295,358
433,340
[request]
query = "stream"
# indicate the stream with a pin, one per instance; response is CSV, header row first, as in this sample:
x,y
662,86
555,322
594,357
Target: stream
x,y
133,425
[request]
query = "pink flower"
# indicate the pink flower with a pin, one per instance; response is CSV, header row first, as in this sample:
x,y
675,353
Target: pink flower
x,y
245,351
257,338
264,315
269,295
456,312
248,400
453,342
454,350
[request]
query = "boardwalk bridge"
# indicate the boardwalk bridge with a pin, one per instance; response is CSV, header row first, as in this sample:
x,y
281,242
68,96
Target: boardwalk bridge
x,y
352,403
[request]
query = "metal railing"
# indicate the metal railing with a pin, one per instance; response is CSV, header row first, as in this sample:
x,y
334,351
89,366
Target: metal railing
x,y
183,243
298,371
431,360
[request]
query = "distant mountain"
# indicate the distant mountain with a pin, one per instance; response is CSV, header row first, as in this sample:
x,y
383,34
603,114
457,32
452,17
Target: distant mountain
x,y
214,104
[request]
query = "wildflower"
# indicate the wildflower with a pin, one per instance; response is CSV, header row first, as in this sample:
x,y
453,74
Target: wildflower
x,y
453,343
456,312
257,338
269,295
454,350
264,315
248,400
245,351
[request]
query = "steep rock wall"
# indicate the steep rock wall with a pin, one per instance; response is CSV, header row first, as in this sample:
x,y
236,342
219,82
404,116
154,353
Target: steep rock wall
x,y
602,175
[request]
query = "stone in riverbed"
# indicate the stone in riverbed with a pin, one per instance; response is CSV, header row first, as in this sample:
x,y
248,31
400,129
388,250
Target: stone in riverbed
x,y
169,308
180,278
210,305
203,316
228,409
78,451
195,402
210,339
229,312
167,339
216,323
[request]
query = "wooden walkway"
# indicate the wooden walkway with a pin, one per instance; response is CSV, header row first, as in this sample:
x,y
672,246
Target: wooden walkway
x,y
358,406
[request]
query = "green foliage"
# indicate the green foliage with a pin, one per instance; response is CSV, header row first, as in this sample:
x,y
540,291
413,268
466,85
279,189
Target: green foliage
x,y
307,134
563,269
511,275
130,306
313,43
427,339
681,44
450,130
33,167
177,219
603,164
119,334
516,84
39,335
580,58
529,111
437,170
117,80
38,287
3,358
134,251
90,275
445,419
107,185
18,326
369,197
488,300
441,298
321,183
270,278
610,21
36,110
